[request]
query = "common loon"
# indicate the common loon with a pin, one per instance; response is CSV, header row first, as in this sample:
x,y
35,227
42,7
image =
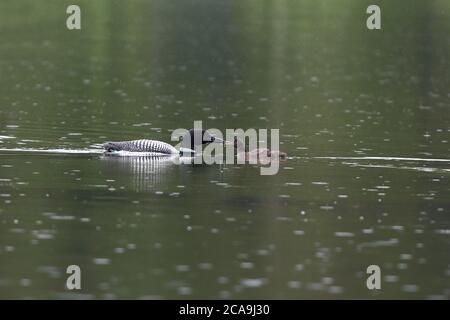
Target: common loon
x,y
257,153
190,140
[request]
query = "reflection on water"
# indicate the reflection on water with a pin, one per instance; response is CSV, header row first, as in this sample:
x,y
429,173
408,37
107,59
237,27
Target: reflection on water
x,y
424,169
362,115
147,172
32,151
387,159
395,163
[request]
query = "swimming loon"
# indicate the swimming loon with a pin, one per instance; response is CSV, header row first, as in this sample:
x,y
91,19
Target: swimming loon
x,y
190,140
257,153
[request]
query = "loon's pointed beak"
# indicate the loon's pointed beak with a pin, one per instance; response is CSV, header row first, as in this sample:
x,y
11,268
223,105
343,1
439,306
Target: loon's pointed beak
x,y
225,142
218,140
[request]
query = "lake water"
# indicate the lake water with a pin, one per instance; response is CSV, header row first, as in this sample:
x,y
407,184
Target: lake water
x,y
363,115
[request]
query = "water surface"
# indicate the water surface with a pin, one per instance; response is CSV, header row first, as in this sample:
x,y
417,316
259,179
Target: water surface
x,y
364,117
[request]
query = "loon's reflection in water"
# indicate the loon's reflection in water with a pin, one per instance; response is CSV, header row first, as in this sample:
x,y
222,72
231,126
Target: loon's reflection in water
x,y
146,172
150,172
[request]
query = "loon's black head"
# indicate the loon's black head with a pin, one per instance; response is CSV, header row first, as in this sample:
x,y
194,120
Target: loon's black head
x,y
196,137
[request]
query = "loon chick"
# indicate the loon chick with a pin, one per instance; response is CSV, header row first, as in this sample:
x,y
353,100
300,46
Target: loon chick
x,y
190,140
257,153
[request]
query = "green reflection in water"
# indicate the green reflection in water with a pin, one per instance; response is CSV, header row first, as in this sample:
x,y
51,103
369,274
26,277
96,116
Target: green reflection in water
x,y
146,229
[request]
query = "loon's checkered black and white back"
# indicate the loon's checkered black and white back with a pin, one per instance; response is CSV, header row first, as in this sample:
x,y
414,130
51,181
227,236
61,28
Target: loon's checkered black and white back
x,y
141,145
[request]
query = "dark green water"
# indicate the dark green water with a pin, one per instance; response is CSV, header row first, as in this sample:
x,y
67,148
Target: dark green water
x,y
141,228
